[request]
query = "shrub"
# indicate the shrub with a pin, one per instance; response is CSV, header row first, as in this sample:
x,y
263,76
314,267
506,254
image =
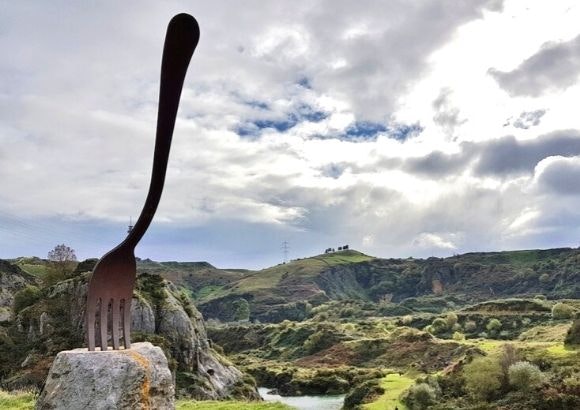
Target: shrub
x,y
458,336
363,393
470,326
482,377
508,357
241,309
451,319
573,335
25,297
420,396
407,319
562,311
439,325
321,317
493,325
525,375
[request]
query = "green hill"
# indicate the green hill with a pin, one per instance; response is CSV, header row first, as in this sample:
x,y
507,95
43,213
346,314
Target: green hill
x,y
288,291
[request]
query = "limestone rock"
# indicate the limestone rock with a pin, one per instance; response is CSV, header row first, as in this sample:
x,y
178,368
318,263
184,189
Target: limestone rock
x,y
12,279
179,324
137,378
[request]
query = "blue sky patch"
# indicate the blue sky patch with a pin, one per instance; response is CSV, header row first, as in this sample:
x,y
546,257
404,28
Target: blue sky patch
x,y
368,130
402,132
365,129
302,113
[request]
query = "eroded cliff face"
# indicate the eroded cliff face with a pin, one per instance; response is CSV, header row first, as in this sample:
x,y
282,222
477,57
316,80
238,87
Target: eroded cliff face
x,y
160,314
12,279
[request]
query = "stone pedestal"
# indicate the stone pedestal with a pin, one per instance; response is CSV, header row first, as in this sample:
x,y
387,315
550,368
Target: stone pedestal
x,y
137,378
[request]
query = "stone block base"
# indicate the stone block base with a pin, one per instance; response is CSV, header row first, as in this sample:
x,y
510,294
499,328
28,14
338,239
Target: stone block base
x,y
136,378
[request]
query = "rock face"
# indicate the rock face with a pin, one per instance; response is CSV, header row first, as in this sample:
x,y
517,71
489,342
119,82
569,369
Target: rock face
x,y
160,314
135,379
12,279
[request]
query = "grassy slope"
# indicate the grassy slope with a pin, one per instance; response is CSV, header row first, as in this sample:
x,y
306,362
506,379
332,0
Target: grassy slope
x,y
394,385
304,268
199,278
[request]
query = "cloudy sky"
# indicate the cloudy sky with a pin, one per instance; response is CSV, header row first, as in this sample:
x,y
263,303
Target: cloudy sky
x,y
402,128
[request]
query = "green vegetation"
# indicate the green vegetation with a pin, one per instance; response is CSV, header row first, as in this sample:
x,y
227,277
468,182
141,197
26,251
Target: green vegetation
x,y
396,287
394,386
524,376
483,377
562,311
228,405
17,400
26,297
573,334
365,392
420,396
474,331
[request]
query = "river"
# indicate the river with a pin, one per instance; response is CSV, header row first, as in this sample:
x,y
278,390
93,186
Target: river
x,y
305,402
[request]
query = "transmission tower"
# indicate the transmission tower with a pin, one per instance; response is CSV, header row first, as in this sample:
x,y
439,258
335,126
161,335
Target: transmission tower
x,y
285,249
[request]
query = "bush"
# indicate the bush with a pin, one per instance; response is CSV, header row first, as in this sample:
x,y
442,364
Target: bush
x,y
457,327
562,311
573,334
439,325
25,297
407,320
470,326
525,375
451,319
493,325
241,309
482,377
420,396
363,393
458,336
508,357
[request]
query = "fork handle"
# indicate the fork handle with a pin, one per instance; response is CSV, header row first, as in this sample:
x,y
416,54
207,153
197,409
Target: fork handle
x,y
180,42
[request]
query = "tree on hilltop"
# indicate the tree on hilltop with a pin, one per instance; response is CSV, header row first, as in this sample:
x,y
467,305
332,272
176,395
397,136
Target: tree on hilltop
x,y
61,264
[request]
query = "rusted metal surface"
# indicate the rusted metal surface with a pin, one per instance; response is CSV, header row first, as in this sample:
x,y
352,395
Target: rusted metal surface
x,y
113,278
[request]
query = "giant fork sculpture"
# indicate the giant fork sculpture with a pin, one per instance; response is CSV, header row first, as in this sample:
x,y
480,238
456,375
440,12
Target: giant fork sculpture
x,y
113,278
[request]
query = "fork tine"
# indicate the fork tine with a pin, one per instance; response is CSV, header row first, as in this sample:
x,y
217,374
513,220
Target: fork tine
x,y
127,322
116,307
91,312
103,323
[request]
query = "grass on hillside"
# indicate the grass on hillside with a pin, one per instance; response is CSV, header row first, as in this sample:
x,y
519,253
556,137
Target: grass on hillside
x,y
17,401
269,277
33,269
545,333
394,385
229,405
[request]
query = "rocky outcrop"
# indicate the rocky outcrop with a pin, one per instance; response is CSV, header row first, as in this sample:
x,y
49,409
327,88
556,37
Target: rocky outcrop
x,y
160,314
12,279
133,379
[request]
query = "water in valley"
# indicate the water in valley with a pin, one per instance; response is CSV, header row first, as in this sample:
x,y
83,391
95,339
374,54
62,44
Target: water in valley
x,y
305,402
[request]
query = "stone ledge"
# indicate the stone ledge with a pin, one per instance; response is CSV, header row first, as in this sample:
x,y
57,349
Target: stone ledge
x,y
136,378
